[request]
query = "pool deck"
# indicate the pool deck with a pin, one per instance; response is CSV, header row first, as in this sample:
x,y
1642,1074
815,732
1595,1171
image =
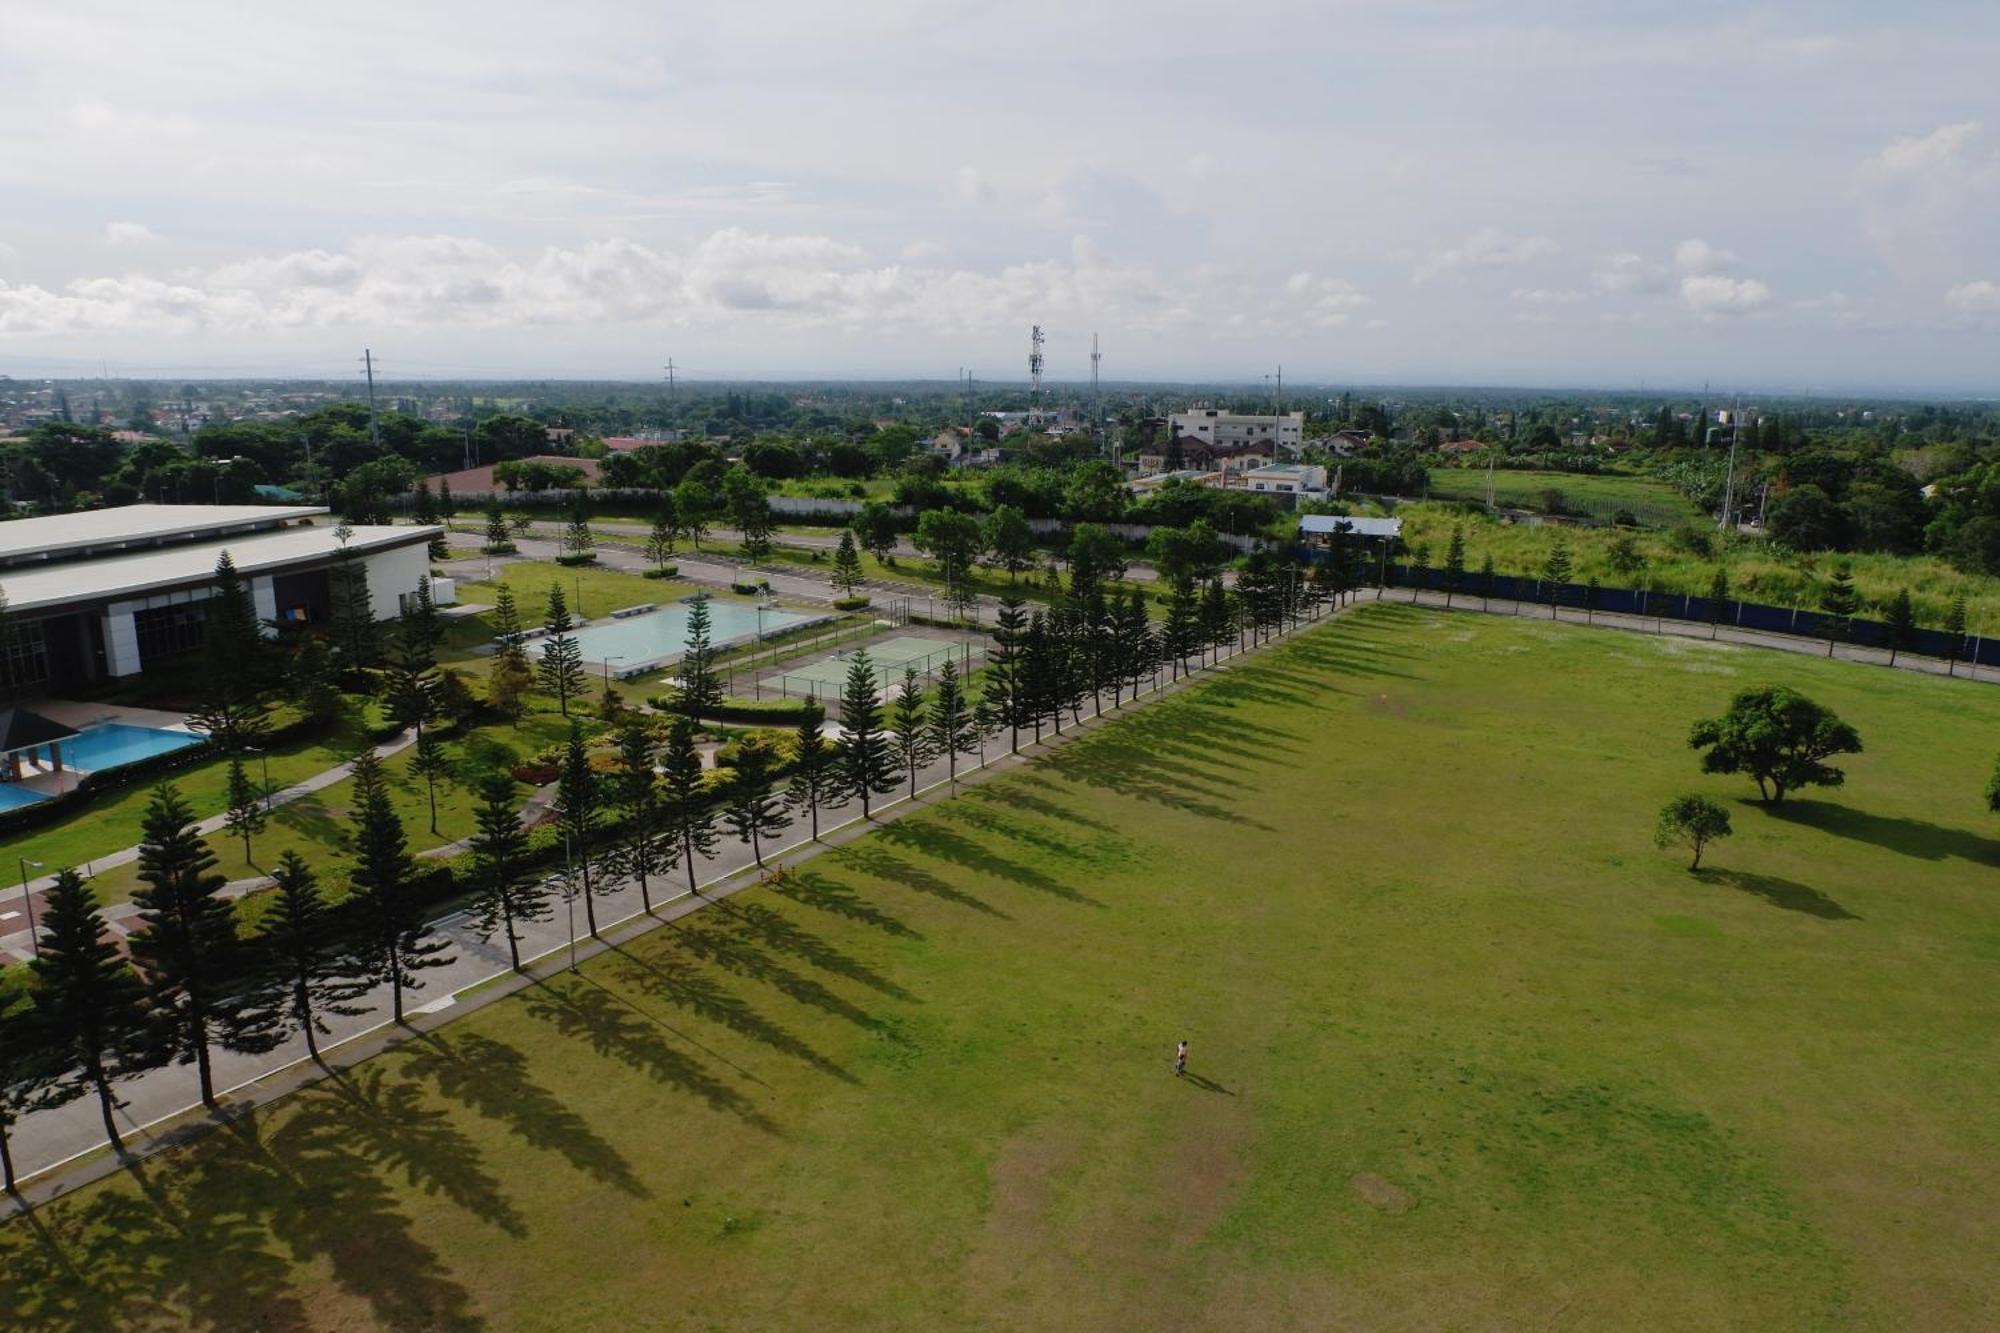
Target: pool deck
x,y
82,715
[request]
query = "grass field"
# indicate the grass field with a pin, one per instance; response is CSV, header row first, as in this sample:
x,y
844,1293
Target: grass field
x,y
1467,1051
1757,571
1598,494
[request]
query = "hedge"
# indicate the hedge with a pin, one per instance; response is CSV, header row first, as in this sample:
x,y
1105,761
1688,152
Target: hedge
x,y
757,712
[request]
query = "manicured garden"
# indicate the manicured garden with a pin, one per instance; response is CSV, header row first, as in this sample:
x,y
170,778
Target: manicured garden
x,y
1467,1050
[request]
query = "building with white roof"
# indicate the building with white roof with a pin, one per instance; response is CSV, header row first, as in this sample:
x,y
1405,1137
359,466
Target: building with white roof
x,y
107,592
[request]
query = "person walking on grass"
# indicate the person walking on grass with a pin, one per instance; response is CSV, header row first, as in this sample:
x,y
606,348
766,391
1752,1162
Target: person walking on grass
x,y
1180,1060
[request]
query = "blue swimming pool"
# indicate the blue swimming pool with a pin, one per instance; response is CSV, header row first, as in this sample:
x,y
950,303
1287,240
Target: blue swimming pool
x,y
13,796
662,634
110,744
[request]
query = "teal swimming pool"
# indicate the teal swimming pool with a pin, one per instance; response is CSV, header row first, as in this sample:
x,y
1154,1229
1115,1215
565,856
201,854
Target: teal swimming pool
x,y
113,743
659,635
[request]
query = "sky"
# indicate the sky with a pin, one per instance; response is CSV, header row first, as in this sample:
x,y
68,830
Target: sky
x,y
1618,193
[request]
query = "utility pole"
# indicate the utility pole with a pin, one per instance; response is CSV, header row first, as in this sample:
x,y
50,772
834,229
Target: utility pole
x,y
1729,482
374,431
1096,400
671,395
1035,375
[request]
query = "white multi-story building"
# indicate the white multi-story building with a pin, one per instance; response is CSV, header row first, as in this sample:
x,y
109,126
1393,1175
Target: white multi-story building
x,y
1230,429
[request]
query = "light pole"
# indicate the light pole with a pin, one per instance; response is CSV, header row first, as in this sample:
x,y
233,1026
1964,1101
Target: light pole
x,y
619,657
28,905
264,759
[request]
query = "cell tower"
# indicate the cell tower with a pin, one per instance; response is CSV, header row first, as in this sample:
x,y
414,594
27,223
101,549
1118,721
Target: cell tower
x,y
1096,398
1035,374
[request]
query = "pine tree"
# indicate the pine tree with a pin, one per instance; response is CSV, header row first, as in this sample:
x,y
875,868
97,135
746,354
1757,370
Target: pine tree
x,y
1454,564
814,781
577,537
393,936
1218,616
1840,601
1555,571
1954,630
665,533
643,851
507,685
578,809
507,894
866,763
752,808
1718,599
352,609
92,1007
244,813
560,671
701,689
847,565
303,947
230,713
906,717
447,507
200,971
950,729
689,815
310,681
410,681
1902,624
31,1073
1004,688
423,506
429,761
1039,670
498,540
1138,653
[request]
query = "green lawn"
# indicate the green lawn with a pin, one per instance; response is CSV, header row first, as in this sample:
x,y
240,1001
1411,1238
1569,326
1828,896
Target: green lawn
x,y
1653,502
1467,1051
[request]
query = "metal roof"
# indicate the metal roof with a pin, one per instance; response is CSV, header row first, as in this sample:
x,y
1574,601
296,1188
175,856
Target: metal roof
x,y
24,729
1357,526
55,534
135,574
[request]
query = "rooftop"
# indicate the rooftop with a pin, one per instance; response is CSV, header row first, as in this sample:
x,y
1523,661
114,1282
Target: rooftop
x,y
39,587
25,538
1356,525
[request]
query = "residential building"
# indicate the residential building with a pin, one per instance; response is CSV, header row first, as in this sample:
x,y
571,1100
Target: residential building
x,y
1226,430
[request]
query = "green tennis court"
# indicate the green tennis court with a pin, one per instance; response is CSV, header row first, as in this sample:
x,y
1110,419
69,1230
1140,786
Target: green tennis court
x,y
890,657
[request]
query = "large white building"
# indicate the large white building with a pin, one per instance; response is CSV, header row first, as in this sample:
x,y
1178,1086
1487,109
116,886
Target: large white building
x,y
108,592
1236,429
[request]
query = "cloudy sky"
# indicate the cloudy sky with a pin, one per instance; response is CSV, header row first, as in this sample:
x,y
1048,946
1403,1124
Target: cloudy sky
x,y
1607,192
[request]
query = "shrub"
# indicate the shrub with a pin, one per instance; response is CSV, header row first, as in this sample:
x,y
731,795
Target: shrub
x,y
535,774
499,548
850,603
663,572
578,558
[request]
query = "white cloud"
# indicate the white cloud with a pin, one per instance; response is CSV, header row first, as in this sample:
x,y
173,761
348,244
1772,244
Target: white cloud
x,y
1715,296
130,233
1324,302
1486,248
1942,147
918,251
1627,272
1698,256
1980,297
1547,296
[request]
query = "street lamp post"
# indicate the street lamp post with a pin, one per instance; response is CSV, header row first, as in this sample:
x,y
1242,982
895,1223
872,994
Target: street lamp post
x,y
264,759
616,657
28,905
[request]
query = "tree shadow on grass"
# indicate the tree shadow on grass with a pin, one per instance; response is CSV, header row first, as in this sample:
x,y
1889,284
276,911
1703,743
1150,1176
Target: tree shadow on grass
x,y
933,837
809,888
1910,837
1785,893
1020,791
1088,851
492,1078
615,1029
686,986
1129,770
781,934
871,858
734,954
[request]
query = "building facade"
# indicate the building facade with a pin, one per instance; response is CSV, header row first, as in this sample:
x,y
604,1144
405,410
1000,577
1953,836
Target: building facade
x,y
1235,430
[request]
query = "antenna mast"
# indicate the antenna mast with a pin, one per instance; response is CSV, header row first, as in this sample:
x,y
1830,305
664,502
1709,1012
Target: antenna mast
x,y
1035,375
669,368
374,431
1729,482
1096,399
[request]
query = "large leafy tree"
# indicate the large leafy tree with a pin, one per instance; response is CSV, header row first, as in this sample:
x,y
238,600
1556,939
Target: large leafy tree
x,y
201,972
815,780
560,671
393,935
93,1009
507,894
752,808
867,760
954,541
1777,736
305,949
743,493
688,814
664,534
1009,541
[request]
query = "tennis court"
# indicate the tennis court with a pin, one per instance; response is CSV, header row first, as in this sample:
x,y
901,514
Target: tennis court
x,y
825,675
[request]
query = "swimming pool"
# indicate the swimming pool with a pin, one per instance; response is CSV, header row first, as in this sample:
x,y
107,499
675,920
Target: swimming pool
x,y
110,744
662,634
13,796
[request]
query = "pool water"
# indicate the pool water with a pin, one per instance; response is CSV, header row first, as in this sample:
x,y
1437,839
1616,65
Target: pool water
x,y
13,796
662,634
113,743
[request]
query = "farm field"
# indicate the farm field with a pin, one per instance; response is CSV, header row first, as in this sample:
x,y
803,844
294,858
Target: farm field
x,y
1652,501
1466,1049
